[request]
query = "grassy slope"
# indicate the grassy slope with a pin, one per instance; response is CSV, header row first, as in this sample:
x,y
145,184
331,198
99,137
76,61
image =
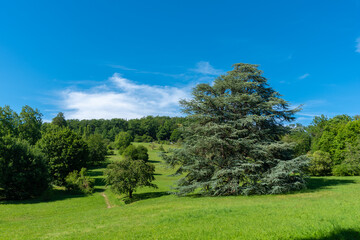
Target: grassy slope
x,y
330,209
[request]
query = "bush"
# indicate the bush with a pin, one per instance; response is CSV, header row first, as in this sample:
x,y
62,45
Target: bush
x,y
23,169
136,153
79,182
320,164
346,169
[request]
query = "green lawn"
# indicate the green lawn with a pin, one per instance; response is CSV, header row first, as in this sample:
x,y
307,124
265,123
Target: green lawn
x,y
329,209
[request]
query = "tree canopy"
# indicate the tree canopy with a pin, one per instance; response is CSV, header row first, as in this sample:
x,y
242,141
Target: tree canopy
x,y
232,142
127,175
65,152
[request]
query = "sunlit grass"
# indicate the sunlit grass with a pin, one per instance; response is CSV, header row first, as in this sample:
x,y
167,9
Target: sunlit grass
x,y
329,209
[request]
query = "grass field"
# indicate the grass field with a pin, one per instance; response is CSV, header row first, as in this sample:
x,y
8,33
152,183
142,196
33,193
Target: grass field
x,y
329,209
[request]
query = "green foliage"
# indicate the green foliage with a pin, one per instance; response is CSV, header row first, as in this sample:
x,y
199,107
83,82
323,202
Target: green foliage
x,y
232,142
23,170
9,122
65,152
59,120
175,135
123,140
300,137
161,148
79,182
350,166
320,164
136,153
128,175
30,124
97,149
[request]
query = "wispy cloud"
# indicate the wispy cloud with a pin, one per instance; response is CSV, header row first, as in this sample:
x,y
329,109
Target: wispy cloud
x,y
122,67
357,45
122,98
147,72
304,76
206,69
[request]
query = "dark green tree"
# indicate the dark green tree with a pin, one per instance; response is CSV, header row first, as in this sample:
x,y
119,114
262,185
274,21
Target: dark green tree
x,y
232,142
123,140
97,149
30,124
128,175
23,169
59,120
65,152
9,122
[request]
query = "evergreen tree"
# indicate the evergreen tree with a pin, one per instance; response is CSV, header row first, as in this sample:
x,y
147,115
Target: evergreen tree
x,y
232,142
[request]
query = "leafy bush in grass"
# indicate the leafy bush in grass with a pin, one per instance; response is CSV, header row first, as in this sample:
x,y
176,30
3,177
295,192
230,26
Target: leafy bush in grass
x,y
320,164
136,153
23,169
79,182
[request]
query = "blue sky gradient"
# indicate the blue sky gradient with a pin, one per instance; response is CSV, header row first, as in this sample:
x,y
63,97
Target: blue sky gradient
x,y
105,59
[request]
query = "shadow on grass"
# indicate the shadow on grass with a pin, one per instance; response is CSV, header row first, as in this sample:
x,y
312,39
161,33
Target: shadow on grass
x,y
319,183
144,196
153,161
49,196
342,234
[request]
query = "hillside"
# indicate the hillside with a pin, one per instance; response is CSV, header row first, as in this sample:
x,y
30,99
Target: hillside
x,y
328,209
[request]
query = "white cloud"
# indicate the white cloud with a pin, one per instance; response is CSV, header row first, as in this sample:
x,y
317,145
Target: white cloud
x,y
304,76
125,99
206,69
357,45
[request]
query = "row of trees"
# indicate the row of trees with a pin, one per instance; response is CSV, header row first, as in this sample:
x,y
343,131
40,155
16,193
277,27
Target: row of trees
x,y
146,129
332,143
32,158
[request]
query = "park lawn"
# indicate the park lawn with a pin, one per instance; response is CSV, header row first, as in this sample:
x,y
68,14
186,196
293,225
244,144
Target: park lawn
x,y
329,209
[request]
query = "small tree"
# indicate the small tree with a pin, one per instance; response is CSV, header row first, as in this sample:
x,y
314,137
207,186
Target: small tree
x,y
97,149
128,175
23,169
122,141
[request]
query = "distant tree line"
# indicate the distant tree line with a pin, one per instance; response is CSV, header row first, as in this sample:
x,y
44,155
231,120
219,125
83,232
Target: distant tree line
x,y
145,129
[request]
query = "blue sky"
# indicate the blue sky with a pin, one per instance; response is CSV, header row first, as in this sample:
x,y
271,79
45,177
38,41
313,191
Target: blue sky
x,y
127,59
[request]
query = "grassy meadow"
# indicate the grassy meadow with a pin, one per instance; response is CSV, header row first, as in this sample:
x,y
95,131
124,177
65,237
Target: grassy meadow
x,y
328,209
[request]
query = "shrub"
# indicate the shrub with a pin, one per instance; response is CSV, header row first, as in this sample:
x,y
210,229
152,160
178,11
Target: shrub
x,y
23,169
346,169
79,182
136,153
320,164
